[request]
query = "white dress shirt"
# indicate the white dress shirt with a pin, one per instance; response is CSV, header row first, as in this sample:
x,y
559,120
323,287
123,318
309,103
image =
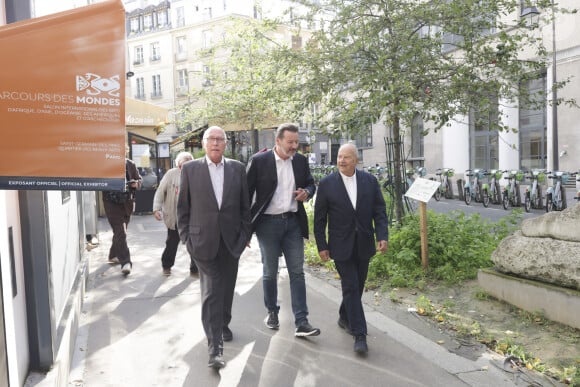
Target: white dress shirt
x,y
350,184
283,199
216,174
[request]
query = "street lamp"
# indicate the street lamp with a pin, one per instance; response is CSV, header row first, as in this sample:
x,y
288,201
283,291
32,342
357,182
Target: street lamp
x,y
532,13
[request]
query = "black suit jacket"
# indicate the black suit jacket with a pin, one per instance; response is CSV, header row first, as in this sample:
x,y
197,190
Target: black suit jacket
x,y
263,180
199,220
333,207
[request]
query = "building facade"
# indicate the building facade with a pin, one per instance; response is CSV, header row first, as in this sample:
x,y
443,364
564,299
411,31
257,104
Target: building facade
x,y
546,138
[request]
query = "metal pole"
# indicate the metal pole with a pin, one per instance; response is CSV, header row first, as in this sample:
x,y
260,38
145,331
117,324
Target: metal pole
x,y
555,153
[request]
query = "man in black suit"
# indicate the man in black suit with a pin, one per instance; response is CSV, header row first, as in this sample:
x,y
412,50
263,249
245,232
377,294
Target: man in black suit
x,y
349,202
281,181
213,219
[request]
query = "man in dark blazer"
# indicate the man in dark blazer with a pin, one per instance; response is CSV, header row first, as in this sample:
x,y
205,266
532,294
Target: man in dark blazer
x,y
350,202
213,219
279,180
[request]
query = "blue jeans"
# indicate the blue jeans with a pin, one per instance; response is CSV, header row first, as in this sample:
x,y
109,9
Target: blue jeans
x,y
279,236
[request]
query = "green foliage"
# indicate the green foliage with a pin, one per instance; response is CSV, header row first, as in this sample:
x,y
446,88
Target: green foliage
x,y
458,246
244,86
481,295
424,306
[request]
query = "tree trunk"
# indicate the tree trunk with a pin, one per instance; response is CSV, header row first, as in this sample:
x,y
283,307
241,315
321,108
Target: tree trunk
x,y
398,171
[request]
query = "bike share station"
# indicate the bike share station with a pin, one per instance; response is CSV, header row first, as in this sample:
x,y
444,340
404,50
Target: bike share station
x,y
422,190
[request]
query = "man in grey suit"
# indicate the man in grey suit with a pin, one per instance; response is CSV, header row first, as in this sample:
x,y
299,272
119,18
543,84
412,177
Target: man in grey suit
x,y
214,222
350,204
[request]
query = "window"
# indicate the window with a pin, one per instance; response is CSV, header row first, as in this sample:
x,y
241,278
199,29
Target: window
x,y
155,52
417,139
162,18
207,76
532,126
156,87
148,21
484,137
181,48
207,38
138,55
183,82
180,16
134,25
140,88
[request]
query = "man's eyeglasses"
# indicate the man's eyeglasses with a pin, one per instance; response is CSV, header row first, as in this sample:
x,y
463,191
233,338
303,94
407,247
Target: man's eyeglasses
x,y
218,140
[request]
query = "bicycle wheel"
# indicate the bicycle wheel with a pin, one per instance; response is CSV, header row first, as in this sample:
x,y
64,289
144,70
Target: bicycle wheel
x,y
549,204
467,196
527,203
485,198
437,194
505,200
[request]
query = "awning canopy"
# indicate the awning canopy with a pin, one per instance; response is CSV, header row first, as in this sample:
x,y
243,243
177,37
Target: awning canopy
x,y
139,113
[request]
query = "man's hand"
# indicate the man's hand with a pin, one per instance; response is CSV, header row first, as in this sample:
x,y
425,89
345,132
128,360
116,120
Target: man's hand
x,y
301,194
324,255
382,246
157,215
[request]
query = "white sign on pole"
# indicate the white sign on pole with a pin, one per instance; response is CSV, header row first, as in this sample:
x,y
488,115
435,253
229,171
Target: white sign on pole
x,y
422,189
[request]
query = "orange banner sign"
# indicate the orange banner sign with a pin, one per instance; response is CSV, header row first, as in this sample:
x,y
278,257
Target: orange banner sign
x,y
62,100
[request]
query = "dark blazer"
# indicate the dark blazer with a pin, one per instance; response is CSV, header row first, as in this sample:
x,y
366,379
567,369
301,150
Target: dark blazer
x,y
263,180
199,220
333,207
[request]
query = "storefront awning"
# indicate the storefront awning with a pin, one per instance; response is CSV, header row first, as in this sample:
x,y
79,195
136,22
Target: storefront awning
x,y
139,113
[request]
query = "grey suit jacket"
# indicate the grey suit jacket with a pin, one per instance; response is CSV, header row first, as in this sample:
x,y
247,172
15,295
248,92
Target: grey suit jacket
x,y
200,222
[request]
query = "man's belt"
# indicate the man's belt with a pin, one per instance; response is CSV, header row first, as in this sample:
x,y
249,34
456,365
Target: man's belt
x,y
283,215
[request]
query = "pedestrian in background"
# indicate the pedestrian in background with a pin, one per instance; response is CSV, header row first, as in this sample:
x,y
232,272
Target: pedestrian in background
x,y
351,204
119,205
281,181
213,218
165,208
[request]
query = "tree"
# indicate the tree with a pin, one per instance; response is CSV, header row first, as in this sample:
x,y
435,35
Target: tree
x,y
387,60
245,88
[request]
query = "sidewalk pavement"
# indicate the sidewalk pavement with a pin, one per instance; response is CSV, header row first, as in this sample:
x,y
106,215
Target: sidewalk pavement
x,y
145,330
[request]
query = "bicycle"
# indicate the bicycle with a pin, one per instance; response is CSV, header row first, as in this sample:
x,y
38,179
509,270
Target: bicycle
x,y
533,194
511,192
473,189
446,187
493,190
556,194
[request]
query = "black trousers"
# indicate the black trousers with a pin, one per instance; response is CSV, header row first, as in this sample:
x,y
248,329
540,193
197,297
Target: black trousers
x,y
353,274
119,215
171,245
218,281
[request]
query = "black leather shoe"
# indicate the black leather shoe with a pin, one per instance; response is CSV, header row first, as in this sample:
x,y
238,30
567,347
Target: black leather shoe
x,y
216,362
227,334
360,345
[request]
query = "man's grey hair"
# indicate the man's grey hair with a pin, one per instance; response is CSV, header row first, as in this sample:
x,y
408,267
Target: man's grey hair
x,y
208,130
182,157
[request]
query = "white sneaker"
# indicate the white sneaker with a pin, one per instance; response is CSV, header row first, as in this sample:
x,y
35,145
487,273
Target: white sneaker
x,y
126,269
